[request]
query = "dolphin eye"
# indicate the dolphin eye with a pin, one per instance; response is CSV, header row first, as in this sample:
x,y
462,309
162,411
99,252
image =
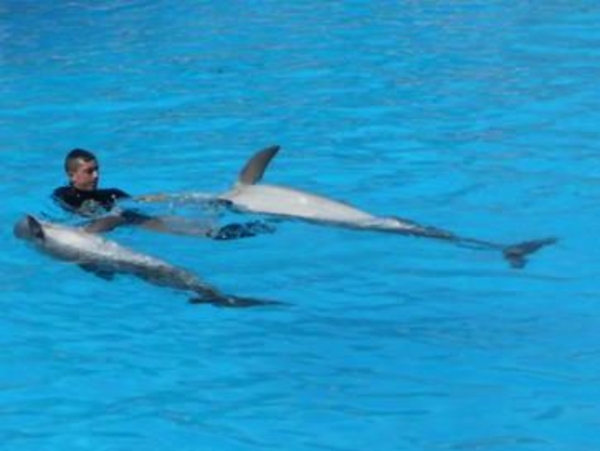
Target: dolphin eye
x,y
35,228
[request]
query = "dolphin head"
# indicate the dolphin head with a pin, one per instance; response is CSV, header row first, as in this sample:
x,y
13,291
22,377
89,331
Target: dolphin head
x,y
29,228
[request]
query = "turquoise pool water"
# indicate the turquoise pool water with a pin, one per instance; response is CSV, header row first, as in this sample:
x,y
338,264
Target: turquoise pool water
x,y
480,118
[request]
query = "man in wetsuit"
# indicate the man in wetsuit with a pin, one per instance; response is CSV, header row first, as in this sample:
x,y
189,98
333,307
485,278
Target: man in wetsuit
x,y
82,196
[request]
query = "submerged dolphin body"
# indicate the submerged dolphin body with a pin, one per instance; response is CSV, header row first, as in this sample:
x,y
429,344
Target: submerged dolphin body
x,y
249,196
106,258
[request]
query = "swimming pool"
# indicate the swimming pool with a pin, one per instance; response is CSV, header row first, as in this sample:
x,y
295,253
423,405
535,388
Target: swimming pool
x,y
479,118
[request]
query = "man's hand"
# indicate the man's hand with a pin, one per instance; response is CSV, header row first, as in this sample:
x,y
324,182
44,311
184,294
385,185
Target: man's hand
x,y
105,224
152,198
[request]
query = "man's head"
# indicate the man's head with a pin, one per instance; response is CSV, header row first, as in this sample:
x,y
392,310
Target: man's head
x,y
83,169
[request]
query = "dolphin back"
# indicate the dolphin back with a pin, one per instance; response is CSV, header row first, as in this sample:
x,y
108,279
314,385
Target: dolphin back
x,y
256,166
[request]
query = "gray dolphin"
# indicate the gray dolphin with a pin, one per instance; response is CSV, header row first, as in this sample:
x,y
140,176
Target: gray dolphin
x,y
105,258
247,195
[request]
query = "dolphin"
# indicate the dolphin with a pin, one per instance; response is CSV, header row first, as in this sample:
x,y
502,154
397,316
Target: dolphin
x,y
105,258
248,195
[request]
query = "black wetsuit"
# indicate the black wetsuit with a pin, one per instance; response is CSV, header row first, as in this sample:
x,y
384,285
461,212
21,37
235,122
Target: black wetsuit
x,y
95,202
87,202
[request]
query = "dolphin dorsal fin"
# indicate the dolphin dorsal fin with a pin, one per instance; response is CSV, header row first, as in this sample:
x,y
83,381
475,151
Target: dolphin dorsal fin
x,y
35,227
256,166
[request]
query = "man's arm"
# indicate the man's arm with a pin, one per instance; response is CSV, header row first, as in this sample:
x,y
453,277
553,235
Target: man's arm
x,y
105,224
156,197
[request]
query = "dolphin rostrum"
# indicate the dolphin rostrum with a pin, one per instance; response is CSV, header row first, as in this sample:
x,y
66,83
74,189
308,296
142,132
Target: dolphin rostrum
x,y
247,195
105,258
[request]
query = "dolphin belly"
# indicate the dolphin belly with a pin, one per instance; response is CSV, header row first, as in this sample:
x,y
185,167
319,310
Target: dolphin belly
x,y
77,245
282,201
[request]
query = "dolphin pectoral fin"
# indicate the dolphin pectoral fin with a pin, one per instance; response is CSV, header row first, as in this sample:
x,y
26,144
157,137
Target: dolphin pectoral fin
x,y
98,271
228,301
255,167
517,254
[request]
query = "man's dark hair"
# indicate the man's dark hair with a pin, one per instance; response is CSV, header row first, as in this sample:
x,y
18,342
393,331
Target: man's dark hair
x,y
71,161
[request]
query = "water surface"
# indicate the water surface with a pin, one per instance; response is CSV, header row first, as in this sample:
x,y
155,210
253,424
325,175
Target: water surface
x,y
480,118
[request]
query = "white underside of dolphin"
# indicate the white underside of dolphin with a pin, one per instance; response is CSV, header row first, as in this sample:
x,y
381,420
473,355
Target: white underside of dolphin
x,y
248,195
289,202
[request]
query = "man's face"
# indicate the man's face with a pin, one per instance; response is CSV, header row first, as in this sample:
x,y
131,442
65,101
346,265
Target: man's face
x,y
85,175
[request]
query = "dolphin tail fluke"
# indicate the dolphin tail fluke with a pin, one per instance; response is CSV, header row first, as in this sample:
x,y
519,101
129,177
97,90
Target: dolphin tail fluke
x,y
255,167
517,254
233,301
